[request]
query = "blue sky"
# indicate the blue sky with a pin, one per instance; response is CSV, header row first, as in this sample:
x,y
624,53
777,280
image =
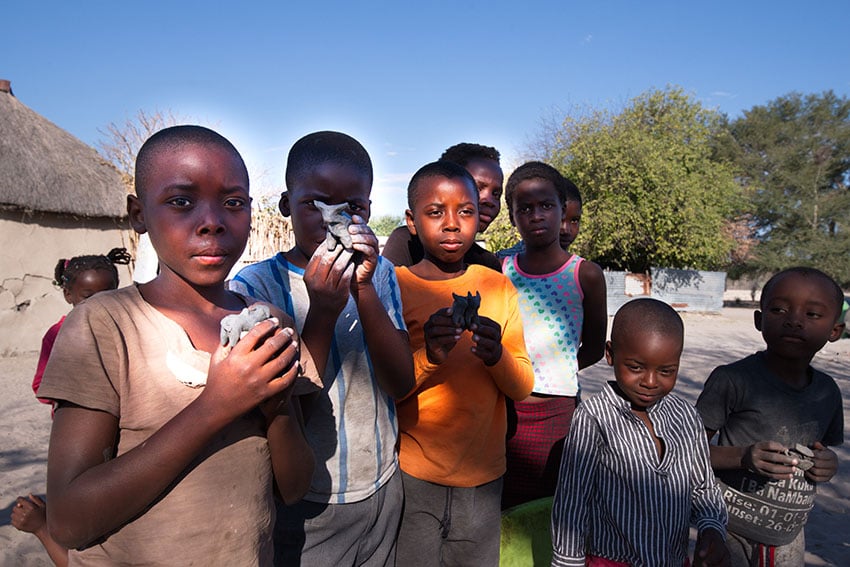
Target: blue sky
x,y
408,79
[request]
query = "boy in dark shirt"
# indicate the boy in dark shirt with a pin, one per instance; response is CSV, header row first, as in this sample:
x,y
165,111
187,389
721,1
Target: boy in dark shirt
x,y
769,405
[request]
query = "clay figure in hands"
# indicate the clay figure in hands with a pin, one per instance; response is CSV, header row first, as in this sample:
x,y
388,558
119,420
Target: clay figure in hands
x,y
234,327
465,310
337,220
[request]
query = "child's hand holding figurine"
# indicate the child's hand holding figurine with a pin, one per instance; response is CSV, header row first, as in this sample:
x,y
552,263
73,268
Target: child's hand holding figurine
x,y
262,364
365,244
824,463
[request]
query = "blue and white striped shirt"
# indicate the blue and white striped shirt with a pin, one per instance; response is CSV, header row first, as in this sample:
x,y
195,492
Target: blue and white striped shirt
x,y
352,428
618,500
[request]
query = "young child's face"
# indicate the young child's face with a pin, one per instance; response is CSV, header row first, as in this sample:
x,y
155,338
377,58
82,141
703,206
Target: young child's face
x,y
537,212
332,184
799,317
489,179
571,225
88,283
645,365
445,217
197,211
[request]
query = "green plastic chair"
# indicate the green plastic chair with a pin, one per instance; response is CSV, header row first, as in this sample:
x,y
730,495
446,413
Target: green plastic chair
x,y
526,539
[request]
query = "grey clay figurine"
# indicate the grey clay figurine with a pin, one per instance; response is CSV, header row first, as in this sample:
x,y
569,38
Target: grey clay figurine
x,y
337,220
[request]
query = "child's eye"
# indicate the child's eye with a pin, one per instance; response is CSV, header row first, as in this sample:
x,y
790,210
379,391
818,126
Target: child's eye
x,y
547,206
633,368
813,315
235,203
355,208
181,202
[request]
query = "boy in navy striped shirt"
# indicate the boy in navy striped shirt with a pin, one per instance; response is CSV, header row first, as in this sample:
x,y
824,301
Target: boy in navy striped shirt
x,y
347,307
636,471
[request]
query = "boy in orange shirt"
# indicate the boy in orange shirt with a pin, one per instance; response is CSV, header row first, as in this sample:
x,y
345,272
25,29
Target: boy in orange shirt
x,y
453,424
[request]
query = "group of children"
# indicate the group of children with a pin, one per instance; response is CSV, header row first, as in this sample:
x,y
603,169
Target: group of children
x,y
170,448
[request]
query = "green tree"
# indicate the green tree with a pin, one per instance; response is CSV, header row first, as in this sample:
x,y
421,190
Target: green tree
x,y
501,233
385,224
655,191
794,154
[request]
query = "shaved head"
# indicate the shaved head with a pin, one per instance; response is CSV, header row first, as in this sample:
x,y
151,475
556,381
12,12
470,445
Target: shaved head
x,y
171,138
646,316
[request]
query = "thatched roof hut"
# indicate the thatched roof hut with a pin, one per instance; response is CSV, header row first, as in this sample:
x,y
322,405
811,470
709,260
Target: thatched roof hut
x,y
58,199
44,168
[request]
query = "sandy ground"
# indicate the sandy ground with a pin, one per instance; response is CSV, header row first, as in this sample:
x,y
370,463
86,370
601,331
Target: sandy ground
x,y
710,340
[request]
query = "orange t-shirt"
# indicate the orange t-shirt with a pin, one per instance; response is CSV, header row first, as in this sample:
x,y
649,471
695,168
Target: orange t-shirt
x,y
452,425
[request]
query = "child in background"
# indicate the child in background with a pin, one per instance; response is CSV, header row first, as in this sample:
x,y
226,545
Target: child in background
x,y
482,162
79,277
562,303
30,515
453,424
636,469
166,445
347,306
763,406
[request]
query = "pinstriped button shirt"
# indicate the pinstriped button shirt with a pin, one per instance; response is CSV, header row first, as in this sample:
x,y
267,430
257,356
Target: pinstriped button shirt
x,y
617,499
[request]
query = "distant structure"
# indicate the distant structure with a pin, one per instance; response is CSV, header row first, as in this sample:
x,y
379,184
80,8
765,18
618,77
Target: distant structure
x,y
58,198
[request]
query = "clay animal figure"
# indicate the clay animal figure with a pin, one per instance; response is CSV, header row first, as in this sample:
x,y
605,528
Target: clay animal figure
x,y
234,327
337,220
804,456
465,310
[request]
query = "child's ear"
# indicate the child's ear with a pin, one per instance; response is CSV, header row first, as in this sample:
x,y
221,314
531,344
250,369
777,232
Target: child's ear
x,y
67,294
283,204
136,214
757,319
408,217
837,330
609,353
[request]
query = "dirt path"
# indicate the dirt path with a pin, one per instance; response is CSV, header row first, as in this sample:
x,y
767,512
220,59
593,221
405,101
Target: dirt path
x,y
710,340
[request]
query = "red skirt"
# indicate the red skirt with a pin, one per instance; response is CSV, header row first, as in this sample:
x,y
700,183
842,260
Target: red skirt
x,y
534,451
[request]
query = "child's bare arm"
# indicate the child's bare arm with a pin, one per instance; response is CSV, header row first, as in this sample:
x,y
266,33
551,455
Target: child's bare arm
x,y
92,494
711,550
766,458
389,348
292,457
826,464
595,307
327,278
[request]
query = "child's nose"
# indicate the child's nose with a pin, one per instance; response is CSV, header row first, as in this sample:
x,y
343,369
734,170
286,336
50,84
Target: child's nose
x,y
210,221
487,198
451,221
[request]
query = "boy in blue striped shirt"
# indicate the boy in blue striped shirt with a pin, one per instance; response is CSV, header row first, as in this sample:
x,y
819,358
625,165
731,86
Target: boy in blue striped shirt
x,y
636,471
347,308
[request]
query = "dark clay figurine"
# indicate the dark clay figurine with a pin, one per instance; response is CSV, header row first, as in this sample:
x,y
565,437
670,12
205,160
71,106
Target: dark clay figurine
x,y
465,310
